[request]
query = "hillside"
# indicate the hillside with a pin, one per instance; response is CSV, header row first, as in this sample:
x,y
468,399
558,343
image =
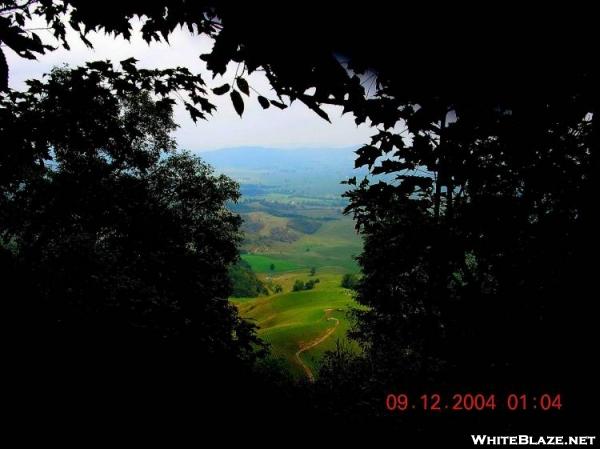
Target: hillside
x,y
291,322
335,244
301,326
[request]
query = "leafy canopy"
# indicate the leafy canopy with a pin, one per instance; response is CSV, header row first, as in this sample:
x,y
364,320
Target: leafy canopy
x,y
112,236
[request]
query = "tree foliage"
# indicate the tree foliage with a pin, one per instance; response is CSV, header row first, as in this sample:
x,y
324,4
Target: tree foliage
x,y
298,285
244,281
350,281
109,233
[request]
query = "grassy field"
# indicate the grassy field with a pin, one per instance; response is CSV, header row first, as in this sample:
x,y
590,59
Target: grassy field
x,y
291,321
300,326
262,263
334,244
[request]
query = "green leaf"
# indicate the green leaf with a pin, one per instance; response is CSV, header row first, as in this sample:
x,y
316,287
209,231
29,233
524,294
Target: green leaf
x,y
264,102
20,19
101,66
367,156
221,90
242,84
391,166
312,104
279,105
129,64
195,114
320,112
237,101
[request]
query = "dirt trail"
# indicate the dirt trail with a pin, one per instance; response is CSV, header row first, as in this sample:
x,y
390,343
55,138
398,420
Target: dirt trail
x,y
314,343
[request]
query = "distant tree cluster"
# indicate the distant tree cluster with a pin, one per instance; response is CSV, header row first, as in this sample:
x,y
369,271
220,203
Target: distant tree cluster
x,y
304,225
300,285
281,234
350,281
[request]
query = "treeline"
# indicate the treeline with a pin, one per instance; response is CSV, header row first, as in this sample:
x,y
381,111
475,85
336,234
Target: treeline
x,y
350,281
300,285
244,281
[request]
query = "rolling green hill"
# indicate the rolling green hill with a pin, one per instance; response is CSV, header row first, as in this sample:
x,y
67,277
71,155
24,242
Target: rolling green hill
x,y
334,244
262,263
301,326
282,243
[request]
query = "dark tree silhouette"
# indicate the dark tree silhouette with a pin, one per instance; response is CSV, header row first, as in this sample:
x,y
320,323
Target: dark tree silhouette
x,y
298,286
114,247
244,281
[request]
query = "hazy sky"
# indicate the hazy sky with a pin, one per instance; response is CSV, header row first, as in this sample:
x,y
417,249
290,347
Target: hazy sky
x,y
293,127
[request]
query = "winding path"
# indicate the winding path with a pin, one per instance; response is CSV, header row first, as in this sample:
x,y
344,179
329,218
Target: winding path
x,y
314,343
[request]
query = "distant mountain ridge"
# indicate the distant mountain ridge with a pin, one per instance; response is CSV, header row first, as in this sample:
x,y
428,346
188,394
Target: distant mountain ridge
x,y
306,171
